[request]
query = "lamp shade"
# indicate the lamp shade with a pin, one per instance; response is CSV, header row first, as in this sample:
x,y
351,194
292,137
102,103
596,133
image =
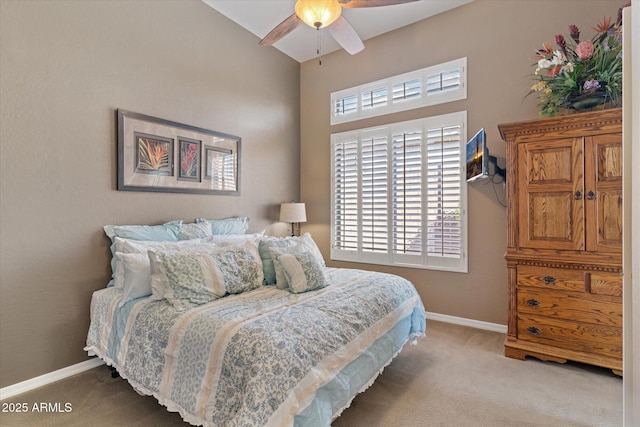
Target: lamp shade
x,y
293,212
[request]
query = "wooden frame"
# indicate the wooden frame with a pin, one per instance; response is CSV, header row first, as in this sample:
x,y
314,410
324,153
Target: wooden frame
x,y
163,156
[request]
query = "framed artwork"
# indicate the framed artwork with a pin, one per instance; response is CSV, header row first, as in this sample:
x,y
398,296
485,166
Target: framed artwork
x,y
154,154
164,156
219,168
190,163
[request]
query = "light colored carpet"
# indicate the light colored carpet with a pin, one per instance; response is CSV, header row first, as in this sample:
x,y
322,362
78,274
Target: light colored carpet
x,y
456,376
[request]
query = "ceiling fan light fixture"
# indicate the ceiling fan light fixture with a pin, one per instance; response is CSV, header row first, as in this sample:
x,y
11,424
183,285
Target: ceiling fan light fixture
x,y
318,13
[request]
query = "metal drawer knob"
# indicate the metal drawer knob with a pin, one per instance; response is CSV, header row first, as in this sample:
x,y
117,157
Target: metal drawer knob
x,y
533,330
549,280
533,303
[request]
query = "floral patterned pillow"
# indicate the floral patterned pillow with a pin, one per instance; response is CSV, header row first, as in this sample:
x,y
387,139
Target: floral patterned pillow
x,y
302,271
196,278
194,231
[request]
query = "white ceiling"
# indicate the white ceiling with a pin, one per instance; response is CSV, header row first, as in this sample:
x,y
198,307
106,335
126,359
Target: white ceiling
x,y
261,16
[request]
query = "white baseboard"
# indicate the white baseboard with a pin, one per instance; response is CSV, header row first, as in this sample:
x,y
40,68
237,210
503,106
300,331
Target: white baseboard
x,y
42,380
478,324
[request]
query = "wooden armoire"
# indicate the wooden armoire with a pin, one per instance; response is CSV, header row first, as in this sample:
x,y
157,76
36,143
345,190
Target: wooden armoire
x,y
564,238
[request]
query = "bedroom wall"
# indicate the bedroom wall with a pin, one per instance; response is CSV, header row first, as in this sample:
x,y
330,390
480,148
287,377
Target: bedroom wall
x,y
498,38
65,67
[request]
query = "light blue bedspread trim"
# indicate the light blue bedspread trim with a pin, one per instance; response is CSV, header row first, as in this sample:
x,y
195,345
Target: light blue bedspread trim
x,y
333,398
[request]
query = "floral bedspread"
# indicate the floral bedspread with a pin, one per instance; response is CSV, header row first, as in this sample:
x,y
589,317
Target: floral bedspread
x,y
252,359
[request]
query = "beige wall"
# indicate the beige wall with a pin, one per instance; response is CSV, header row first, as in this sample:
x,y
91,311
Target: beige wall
x,y
498,37
65,66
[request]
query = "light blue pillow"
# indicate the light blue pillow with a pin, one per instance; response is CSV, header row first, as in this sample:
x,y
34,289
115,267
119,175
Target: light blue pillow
x,y
303,272
234,225
167,232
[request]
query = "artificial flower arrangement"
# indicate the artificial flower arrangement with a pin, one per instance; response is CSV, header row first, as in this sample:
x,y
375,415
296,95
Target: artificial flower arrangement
x,y
580,74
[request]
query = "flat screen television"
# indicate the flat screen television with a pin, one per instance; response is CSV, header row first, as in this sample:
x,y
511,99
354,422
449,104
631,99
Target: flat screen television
x,y
477,157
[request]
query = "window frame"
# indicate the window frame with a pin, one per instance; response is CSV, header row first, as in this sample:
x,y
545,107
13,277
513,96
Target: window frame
x,y
424,260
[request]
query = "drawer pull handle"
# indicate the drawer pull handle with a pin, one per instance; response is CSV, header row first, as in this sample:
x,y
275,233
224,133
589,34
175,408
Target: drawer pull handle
x,y
533,330
533,303
549,280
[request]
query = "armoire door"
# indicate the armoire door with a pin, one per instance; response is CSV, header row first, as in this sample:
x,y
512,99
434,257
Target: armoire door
x,y
551,194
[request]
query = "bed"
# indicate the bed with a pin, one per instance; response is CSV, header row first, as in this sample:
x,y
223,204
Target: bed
x,y
266,355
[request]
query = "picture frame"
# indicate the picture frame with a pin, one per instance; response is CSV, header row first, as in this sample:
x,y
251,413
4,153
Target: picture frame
x,y
160,155
189,159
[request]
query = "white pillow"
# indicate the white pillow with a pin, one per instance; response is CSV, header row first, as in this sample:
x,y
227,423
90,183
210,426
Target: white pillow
x,y
142,247
136,276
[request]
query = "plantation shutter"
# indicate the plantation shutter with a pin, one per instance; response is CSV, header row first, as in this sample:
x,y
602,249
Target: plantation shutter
x,y
404,91
374,98
432,85
407,193
444,194
398,194
345,197
345,105
444,81
375,170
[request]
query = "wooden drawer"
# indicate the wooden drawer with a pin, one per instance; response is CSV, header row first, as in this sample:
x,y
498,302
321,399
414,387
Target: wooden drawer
x,y
573,306
551,278
583,337
604,284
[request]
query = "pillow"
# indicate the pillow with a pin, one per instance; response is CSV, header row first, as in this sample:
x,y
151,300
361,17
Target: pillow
x,y
196,278
136,276
142,247
233,239
282,242
303,272
158,281
167,232
281,280
235,225
194,231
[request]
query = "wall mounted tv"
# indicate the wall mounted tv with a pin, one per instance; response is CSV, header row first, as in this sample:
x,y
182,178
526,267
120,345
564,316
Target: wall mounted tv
x,y
477,157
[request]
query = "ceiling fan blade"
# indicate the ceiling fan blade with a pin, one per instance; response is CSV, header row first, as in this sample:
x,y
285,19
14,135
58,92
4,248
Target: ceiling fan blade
x,y
281,30
350,4
346,36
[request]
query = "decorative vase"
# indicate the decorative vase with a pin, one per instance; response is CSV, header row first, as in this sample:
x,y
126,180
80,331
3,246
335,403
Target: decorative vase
x,y
588,100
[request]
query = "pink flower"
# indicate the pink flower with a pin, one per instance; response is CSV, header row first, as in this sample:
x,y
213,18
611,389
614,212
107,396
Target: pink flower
x,y
574,32
585,50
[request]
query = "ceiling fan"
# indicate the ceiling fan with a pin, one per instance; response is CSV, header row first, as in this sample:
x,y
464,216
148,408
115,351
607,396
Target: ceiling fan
x,y
326,13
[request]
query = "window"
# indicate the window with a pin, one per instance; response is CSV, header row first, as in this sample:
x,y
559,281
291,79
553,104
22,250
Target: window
x,y
428,86
399,196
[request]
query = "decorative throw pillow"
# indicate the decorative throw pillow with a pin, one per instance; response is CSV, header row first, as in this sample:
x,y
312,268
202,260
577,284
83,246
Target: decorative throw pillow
x,y
281,280
194,231
234,225
234,239
303,272
282,242
196,278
